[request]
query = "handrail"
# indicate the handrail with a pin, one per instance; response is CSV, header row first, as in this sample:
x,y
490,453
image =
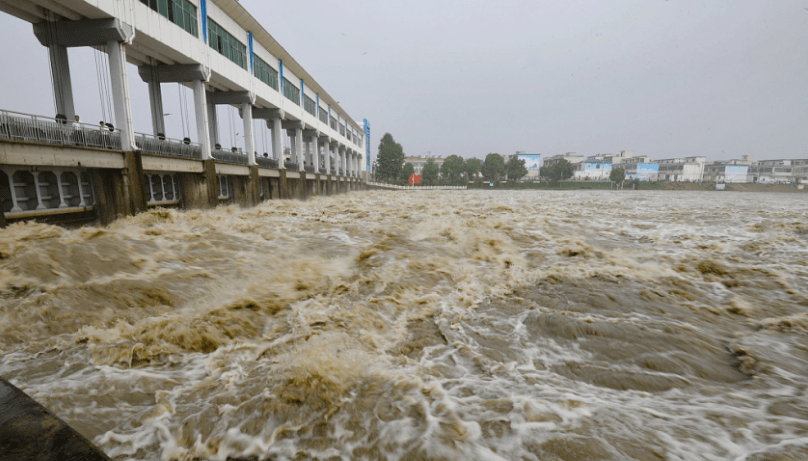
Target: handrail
x,y
18,126
396,186
160,145
230,157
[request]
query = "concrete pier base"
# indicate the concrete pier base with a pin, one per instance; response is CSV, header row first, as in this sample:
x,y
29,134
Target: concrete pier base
x,y
28,431
283,185
109,195
133,183
200,190
253,187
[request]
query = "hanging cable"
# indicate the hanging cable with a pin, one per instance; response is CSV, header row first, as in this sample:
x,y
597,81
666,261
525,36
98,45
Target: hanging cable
x,y
230,122
100,84
108,83
51,37
182,114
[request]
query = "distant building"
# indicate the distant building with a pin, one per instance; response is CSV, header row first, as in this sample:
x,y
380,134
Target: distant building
x,y
593,169
418,162
728,171
782,171
532,163
688,169
570,157
644,171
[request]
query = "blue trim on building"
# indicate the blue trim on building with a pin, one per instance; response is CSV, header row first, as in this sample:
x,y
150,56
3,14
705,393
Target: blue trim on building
x,y
252,64
367,144
280,64
203,8
318,106
302,97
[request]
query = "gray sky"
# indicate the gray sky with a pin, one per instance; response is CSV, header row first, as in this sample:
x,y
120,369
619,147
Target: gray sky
x,y
662,78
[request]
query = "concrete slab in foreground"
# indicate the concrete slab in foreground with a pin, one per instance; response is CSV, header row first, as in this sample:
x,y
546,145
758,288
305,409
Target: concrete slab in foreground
x,y
28,431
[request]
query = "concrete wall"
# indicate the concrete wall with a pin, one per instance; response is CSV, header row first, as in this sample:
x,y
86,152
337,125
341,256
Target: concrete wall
x,y
52,193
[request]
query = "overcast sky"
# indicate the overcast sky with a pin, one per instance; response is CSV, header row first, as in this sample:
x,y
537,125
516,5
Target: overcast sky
x,y
662,78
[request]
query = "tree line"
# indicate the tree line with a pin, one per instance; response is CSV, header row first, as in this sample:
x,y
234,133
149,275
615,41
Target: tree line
x,y
390,166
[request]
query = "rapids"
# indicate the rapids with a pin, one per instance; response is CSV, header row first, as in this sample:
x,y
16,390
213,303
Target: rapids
x,y
457,325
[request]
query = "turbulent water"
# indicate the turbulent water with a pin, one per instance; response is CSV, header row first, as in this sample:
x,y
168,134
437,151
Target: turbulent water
x,y
450,325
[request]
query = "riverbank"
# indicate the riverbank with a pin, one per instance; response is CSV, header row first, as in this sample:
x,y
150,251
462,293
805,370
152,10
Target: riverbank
x,y
685,186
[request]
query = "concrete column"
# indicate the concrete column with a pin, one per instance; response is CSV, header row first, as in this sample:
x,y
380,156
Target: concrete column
x,y
62,87
201,109
315,155
120,94
299,145
249,138
327,153
293,146
156,103
277,142
213,123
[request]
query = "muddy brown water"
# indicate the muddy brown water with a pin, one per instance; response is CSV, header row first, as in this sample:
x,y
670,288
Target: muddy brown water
x,y
457,325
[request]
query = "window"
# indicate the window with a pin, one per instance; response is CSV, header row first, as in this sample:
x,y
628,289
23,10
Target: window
x,y
221,41
265,73
291,92
333,123
309,105
323,115
180,12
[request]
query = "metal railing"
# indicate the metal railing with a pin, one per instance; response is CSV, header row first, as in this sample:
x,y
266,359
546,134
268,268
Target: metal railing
x,y
291,166
229,157
160,145
308,168
333,169
395,186
17,126
266,162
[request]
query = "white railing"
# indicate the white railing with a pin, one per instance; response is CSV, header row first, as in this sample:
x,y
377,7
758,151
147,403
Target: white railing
x,y
160,145
17,126
397,187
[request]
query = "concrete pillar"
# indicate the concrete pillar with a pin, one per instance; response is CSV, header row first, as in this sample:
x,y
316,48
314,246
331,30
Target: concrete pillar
x,y
62,86
327,152
277,143
249,138
293,146
213,122
315,155
156,103
201,109
299,146
120,94
133,182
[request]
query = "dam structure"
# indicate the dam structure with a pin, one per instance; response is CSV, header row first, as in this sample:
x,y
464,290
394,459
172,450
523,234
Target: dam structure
x,y
56,168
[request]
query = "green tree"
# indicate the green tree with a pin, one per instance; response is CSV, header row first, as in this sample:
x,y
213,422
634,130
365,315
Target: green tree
x,y
558,172
407,171
452,167
472,167
429,175
515,168
493,167
618,175
390,159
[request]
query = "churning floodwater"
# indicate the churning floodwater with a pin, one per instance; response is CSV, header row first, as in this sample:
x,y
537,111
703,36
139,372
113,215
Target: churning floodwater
x,y
457,325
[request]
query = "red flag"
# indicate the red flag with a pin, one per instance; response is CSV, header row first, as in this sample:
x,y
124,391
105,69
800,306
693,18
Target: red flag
x,y
415,179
